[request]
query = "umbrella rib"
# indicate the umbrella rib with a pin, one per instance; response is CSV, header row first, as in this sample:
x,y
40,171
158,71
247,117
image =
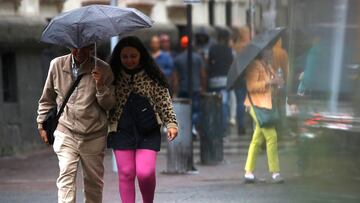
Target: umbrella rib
x,y
108,17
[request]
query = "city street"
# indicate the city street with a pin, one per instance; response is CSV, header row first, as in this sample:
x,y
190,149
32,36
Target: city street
x,y
31,179
279,74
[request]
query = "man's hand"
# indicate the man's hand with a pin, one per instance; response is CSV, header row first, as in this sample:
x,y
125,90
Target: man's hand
x,y
43,136
97,74
172,133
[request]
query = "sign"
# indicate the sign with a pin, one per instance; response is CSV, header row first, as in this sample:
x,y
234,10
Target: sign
x,y
191,1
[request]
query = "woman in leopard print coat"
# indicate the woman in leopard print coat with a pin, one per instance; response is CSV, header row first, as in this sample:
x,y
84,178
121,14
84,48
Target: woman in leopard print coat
x,y
138,82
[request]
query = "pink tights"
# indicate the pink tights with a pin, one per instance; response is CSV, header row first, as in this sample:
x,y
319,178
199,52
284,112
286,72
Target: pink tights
x,y
140,163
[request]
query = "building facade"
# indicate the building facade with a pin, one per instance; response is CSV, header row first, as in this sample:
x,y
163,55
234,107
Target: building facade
x,y
205,12
24,60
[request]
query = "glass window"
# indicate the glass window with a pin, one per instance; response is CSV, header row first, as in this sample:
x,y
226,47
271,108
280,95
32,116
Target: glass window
x,y
9,79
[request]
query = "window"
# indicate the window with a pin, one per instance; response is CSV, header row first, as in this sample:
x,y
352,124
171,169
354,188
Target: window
x,y
211,12
228,13
9,79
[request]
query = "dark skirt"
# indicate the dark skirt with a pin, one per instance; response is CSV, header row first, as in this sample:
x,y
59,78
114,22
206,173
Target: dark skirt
x,y
122,140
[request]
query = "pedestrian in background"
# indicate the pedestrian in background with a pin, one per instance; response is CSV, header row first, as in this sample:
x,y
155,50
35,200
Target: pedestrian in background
x,y
80,136
142,104
181,76
165,45
259,81
219,62
202,42
162,59
241,38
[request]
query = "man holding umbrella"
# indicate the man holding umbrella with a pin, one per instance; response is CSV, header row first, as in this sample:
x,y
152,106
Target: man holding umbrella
x,y
82,127
81,132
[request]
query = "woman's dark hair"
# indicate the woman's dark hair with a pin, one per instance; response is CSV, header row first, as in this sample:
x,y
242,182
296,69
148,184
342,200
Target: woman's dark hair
x,y
146,61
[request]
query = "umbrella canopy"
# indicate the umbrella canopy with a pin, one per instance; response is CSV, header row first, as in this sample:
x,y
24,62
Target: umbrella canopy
x,y
87,25
256,46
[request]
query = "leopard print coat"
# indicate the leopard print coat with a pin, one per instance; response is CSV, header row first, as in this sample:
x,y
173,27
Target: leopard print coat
x,y
143,85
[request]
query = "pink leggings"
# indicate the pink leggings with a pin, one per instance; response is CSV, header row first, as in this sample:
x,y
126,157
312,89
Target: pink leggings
x,y
140,163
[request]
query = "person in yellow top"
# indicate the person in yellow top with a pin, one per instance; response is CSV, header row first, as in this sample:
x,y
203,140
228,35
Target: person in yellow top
x,y
260,78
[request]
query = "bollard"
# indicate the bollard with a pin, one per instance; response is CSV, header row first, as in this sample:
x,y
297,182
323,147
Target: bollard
x,y
211,132
180,150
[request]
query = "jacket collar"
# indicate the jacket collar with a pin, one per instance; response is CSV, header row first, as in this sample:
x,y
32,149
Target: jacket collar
x,y
85,67
127,75
67,66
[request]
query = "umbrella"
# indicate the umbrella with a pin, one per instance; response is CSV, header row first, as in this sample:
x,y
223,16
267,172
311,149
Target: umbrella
x,y
256,46
87,25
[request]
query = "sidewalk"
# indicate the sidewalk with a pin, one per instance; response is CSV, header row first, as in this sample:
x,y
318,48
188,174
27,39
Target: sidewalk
x,y
31,179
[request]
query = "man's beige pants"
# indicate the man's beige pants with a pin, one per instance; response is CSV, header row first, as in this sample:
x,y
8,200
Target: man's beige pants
x,y
90,153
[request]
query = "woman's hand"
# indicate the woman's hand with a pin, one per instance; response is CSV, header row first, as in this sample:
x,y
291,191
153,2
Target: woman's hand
x,y
172,133
276,81
97,74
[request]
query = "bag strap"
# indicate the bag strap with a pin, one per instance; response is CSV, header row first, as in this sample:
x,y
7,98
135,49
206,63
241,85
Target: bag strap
x,y
71,90
252,104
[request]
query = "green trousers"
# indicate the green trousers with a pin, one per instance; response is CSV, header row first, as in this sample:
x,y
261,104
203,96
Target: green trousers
x,y
260,135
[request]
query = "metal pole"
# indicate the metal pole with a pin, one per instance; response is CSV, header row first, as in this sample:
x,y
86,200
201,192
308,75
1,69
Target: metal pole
x,y
292,38
341,10
113,42
190,75
252,18
189,53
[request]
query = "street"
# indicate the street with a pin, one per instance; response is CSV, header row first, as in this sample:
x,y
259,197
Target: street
x,y
31,179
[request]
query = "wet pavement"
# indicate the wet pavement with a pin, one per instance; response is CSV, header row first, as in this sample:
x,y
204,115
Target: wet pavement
x,y
31,179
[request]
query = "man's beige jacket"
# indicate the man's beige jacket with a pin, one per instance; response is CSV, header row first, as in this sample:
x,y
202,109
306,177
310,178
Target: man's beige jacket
x,y
85,114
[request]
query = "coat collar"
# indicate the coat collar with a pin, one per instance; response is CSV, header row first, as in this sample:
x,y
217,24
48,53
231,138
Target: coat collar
x,y
128,76
85,67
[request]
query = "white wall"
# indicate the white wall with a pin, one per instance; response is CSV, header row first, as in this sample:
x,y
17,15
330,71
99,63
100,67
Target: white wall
x,y
159,13
219,13
29,7
239,13
71,4
200,11
200,14
7,8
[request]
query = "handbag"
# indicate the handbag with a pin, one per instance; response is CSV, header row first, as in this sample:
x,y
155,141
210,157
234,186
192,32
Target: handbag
x,y
265,117
52,117
144,114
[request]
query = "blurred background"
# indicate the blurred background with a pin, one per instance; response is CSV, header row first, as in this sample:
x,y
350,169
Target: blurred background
x,y
322,118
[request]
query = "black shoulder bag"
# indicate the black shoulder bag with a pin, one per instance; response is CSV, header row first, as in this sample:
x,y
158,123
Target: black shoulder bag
x,y
52,118
144,114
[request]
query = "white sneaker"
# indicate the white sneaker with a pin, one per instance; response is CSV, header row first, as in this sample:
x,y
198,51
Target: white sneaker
x,y
249,178
232,121
276,178
194,132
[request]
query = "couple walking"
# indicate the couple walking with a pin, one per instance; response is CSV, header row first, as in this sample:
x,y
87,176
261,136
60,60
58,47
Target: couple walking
x,y
130,99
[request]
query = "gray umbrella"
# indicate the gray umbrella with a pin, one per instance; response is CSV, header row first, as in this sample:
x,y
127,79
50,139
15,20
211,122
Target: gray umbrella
x,y
90,24
256,46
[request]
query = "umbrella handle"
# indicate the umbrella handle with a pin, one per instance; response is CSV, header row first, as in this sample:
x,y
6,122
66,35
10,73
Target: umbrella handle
x,y
95,55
